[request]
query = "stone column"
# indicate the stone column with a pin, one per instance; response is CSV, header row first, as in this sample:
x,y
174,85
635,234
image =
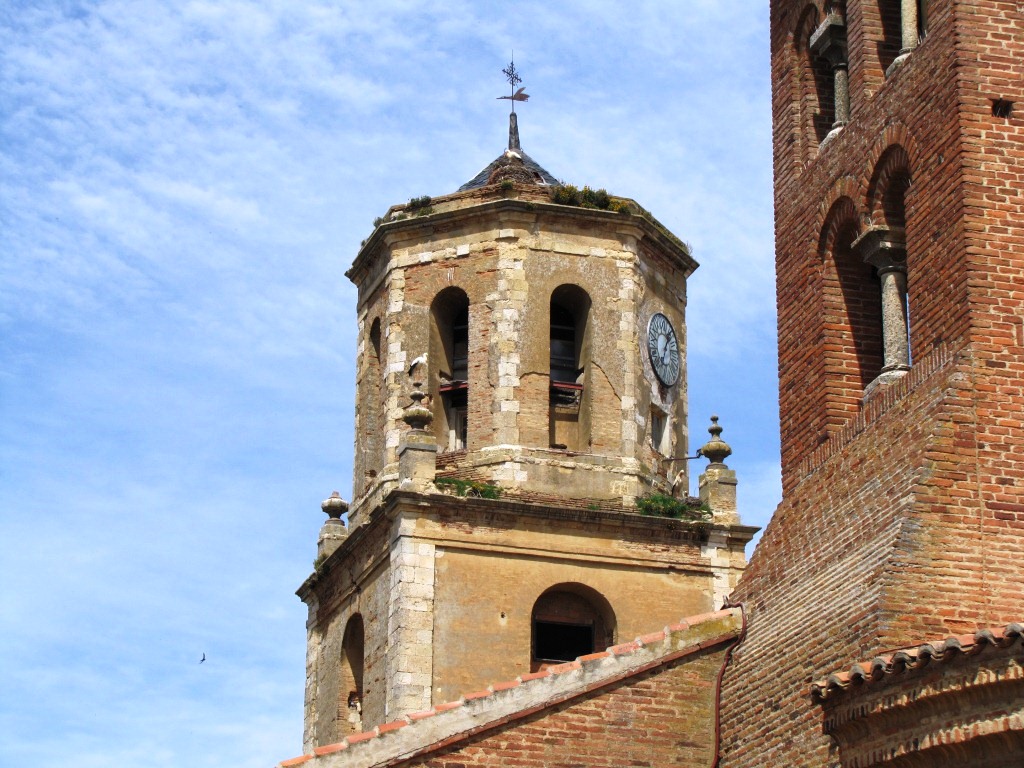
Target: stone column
x,y
909,37
908,20
829,42
885,249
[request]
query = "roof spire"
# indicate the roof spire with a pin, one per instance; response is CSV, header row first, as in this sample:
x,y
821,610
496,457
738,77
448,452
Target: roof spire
x,y
513,132
516,95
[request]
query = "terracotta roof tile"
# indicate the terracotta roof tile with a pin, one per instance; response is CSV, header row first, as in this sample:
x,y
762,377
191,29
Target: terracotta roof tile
x,y
914,658
534,675
414,716
357,737
651,639
318,751
394,725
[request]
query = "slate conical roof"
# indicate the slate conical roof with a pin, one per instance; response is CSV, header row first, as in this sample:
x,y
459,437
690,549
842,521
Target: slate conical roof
x,y
513,163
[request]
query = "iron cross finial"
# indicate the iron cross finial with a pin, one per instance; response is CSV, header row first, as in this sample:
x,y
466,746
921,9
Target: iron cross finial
x,y
513,80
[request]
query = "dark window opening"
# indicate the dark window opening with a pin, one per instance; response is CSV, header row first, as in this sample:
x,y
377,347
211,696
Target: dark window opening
x,y
568,621
1002,108
460,346
449,361
563,345
556,642
568,425
456,402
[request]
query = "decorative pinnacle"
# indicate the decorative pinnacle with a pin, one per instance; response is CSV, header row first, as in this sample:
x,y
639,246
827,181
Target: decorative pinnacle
x,y
417,415
335,506
715,449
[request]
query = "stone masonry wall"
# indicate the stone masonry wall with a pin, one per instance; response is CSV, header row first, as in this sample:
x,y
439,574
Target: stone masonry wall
x,y
508,263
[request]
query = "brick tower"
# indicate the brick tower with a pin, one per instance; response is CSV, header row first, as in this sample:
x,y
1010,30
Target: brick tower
x,y
899,200
520,384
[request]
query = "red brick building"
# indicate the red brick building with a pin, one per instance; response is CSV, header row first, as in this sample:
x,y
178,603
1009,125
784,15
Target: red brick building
x,y
899,203
877,623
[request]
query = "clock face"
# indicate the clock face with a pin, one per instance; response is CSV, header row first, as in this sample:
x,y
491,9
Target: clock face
x,y
663,348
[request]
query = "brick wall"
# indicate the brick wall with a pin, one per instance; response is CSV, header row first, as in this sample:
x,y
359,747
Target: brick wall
x,y
903,508
661,718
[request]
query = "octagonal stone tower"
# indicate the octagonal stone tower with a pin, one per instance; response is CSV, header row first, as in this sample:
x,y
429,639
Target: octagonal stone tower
x,y
533,319
520,384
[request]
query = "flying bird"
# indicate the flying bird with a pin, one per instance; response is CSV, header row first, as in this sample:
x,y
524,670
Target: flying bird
x,y
202,659
518,95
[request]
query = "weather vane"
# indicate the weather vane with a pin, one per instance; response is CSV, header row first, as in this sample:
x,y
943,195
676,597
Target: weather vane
x,y
513,80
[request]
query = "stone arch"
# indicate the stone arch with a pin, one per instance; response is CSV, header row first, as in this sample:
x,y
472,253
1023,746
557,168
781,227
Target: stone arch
x,y
448,366
350,693
569,620
570,340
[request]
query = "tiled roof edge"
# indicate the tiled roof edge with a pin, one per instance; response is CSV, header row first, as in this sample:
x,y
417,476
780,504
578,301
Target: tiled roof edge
x,y
912,659
506,701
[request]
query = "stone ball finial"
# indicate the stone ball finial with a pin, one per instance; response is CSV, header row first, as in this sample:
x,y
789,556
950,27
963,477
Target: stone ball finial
x,y
715,449
335,506
417,415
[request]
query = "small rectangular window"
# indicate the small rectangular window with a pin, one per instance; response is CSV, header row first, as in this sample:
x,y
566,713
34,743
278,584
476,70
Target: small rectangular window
x,y
659,431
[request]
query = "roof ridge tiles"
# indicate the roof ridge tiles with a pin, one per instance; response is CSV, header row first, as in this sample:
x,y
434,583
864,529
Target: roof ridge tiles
x,y
615,653
913,658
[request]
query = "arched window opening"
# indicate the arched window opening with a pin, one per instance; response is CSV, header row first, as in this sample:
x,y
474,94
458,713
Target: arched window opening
x,y
828,44
891,40
569,342
815,87
852,317
904,25
884,246
372,399
449,357
350,699
569,621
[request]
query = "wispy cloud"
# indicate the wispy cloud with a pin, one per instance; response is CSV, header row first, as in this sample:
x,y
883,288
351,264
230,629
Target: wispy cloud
x,y
182,186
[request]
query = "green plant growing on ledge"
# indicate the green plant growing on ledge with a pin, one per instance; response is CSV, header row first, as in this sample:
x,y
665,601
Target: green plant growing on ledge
x,y
318,564
472,488
420,206
660,505
599,199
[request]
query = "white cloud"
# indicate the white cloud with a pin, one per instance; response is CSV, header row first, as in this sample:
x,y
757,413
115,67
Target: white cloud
x,y
182,186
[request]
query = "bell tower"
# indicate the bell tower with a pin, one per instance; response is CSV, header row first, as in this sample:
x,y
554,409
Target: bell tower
x,y
525,315
520,488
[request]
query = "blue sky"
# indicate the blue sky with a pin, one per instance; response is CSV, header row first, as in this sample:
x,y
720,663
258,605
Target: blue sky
x,y
182,186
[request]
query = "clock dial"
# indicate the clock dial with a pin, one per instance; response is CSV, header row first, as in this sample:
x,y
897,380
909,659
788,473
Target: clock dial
x,y
663,349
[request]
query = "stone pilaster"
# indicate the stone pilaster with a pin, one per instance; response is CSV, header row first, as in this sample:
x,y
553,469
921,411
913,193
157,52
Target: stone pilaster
x,y
410,626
